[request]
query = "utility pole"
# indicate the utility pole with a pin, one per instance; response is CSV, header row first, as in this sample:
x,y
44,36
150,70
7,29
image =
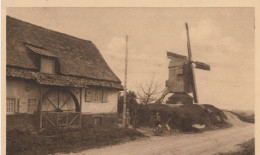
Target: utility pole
x,y
125,86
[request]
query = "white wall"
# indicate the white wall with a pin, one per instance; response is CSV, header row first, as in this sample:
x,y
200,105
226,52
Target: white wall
x,y
95,108
22,90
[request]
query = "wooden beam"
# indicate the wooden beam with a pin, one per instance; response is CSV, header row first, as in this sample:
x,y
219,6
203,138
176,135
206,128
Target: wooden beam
x,y
51,103
57,119
49,120
40,109
65,102
73,119
80,106
58,99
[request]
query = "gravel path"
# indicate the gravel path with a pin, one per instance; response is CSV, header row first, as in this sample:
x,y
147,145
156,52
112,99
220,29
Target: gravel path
x,y
210,142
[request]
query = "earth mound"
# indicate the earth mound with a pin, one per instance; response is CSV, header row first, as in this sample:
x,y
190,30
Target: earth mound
x,y
182,117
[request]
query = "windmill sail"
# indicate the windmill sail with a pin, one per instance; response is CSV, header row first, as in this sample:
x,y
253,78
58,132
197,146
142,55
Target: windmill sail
x,y
192,76
182,76
201,65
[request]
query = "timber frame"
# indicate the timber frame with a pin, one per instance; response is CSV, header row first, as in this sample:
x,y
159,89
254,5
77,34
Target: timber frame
x,y
59,118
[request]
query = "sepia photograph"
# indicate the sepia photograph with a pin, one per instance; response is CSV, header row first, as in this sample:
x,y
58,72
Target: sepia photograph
x,y
130,80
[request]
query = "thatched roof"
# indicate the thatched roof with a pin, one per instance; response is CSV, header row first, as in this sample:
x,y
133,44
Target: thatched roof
x,y
76,57
40,51
59,80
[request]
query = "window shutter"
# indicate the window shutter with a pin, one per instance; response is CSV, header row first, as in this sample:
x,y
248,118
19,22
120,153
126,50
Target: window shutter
x,y
17,105
88,95
99,96
95,96
104,96
31,107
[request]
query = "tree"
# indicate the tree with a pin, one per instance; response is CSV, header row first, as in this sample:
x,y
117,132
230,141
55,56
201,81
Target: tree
x,y
131,102
149,92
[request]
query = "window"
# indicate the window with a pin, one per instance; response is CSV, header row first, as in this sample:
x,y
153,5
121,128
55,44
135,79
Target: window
x,y
88,95
96,95
10,105
32,106
47,65
104,97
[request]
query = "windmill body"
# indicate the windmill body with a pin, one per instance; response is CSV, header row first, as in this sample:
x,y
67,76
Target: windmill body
x,y
179,74
181,79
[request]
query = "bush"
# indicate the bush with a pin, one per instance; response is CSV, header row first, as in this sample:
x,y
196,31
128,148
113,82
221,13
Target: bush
x,y
25,142
65,140
131,103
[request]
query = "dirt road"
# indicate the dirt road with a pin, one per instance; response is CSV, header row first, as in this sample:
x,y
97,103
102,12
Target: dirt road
x,y
211,142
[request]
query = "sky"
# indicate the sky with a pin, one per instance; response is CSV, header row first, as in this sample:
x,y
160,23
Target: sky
x,y
220,37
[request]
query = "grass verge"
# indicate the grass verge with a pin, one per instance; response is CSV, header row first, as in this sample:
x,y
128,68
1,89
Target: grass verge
x,y
247,148
66,140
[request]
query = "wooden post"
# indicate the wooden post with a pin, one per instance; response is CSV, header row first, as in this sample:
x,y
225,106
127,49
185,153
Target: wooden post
x,y
80,106
40,109
57,119
58,100
17,105
124,104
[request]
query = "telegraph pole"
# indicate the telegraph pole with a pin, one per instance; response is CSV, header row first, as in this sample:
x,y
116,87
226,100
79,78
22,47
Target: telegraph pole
x,y
125,86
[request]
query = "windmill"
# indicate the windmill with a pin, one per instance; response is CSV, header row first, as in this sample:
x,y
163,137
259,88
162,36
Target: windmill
x,y
181,79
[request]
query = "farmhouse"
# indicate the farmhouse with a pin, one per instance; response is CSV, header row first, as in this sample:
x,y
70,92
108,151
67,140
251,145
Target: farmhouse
x,y
54,79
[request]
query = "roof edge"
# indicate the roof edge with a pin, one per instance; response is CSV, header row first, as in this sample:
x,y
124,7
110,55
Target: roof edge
x,y
44,28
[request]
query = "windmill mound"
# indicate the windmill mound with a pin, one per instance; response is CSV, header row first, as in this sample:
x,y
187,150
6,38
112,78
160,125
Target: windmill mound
x,y
183,117
235,119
